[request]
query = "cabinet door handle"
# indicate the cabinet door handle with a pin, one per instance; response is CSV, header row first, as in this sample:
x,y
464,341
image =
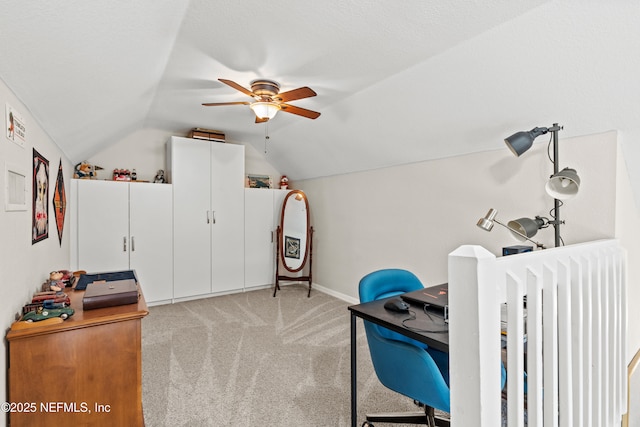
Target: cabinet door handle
x,y
214,216
271,236
124,244
208,219
133,244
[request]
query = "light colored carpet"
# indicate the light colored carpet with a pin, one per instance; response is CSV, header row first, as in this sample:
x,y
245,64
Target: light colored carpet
x,y
250,359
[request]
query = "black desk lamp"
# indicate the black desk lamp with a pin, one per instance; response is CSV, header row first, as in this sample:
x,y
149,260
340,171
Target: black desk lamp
x,y
525,229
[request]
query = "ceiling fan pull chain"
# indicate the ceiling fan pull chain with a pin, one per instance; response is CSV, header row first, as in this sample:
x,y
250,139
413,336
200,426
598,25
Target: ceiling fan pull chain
x,y
266,135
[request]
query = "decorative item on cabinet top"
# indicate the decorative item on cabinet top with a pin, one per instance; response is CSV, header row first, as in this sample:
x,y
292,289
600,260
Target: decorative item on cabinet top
x,y
85,170
258,181
284,182
207,134
125,175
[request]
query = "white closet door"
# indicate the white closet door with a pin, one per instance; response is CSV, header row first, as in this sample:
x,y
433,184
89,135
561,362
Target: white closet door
x,y
278,200
151,234
227,205
259,237
191,208
103,226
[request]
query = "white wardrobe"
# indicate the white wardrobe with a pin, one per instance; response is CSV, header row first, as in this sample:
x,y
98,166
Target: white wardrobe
x,y
202,235
208,216
121,226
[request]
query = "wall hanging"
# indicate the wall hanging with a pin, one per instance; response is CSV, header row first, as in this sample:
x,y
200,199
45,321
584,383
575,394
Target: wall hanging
x,y
59,202
40,217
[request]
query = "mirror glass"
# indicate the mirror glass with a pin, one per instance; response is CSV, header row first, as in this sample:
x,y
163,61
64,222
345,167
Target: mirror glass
x,y
294,237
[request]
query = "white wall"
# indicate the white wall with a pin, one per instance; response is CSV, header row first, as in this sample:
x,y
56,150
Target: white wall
x,y
412,216
144,150
628,231
23,266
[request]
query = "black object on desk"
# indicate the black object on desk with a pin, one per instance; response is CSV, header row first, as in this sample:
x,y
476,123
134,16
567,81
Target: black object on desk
x,y
517,249
109,276
435,296
375,312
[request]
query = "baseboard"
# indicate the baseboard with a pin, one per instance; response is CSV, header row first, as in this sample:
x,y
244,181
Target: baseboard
x,y
209,295
257,287
314,287
324,290
161,302
341,296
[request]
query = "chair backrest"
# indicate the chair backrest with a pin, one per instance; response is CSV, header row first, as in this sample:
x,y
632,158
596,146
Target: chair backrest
x,y
388,283
401,363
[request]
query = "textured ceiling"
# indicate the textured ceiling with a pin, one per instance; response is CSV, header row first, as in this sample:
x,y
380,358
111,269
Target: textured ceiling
x,y
397,82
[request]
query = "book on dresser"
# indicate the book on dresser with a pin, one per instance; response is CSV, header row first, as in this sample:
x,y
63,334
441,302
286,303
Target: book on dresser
x,y
109,294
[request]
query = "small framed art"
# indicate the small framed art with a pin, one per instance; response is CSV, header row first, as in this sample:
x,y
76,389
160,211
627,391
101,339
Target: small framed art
x,y
15,191
291,247
259,181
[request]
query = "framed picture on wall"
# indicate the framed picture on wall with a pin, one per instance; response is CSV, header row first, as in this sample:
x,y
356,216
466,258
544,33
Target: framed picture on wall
x,y
40,210
59,202
14,126
15,191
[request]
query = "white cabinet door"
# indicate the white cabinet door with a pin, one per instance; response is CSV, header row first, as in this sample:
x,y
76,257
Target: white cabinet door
x,y
227,206
278,200
208,203
190,176
122,226
262,217
151,235
259,237
103,226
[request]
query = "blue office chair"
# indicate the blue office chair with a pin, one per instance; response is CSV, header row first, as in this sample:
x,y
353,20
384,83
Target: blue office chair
x,y
402,364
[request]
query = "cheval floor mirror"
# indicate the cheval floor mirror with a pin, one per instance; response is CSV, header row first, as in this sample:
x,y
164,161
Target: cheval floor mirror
x,y
294,246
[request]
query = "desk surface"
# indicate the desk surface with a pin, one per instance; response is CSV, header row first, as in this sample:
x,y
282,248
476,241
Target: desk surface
x,y
82,319
375,312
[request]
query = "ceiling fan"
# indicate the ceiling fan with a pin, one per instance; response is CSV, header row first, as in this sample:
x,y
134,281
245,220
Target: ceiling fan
x,y
269,100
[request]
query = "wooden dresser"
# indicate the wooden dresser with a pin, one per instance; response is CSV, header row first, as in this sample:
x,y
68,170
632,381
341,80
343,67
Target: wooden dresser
x,y
86,371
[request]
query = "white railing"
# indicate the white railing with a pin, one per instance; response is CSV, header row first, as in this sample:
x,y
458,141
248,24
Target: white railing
x,y
565,313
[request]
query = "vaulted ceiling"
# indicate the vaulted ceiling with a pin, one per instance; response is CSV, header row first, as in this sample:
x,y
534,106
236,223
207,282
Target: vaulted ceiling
x,y
397,82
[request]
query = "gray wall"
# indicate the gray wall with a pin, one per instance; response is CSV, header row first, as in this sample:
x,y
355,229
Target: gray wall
x,y
413,216
23,266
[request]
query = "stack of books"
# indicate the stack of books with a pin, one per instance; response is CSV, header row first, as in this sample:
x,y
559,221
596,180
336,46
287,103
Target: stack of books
x,y
207,134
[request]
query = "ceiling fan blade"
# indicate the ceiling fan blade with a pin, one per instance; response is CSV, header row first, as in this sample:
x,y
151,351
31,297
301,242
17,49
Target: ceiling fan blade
x,y
236,86
259,120
299,111
213,104
300,93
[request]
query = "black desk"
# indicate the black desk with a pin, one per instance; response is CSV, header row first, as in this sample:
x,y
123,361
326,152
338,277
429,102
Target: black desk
x,y
375,312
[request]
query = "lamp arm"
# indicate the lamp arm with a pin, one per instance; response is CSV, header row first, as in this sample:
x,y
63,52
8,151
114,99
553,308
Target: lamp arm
x,y
539,245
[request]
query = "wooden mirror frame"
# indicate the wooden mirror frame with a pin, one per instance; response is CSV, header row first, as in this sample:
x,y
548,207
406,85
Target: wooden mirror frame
x,y
280,251
295,194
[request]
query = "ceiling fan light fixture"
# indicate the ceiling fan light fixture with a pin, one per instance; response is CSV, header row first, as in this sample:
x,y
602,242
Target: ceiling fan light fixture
x,y
265,110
